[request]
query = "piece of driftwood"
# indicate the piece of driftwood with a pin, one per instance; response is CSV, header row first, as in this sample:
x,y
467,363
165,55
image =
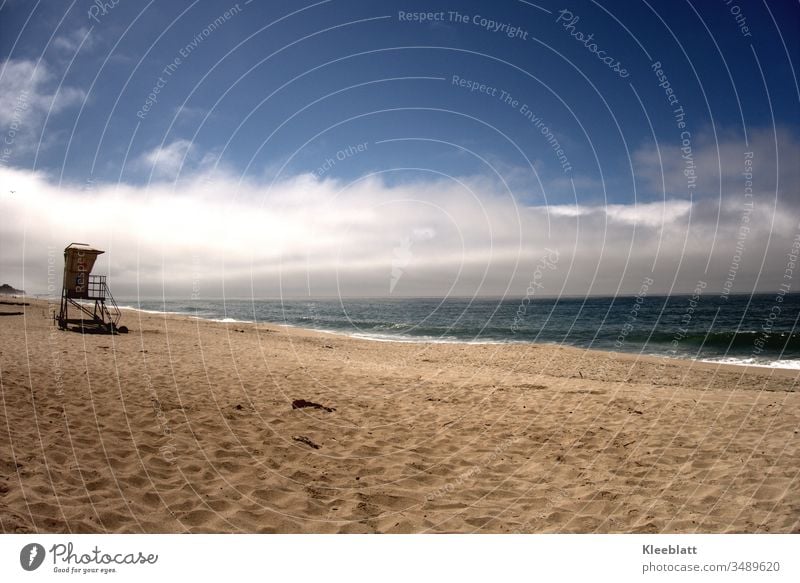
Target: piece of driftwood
x,y
302,404
306,440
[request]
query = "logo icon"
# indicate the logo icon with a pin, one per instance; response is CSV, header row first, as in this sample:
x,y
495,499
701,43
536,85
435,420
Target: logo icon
x,y
402,255
31,556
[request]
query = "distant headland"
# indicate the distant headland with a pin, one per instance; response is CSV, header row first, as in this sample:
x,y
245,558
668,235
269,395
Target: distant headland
x,y
7,290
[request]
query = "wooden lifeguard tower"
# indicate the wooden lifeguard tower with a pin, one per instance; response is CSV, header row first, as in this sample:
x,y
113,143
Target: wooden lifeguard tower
x,y
85,294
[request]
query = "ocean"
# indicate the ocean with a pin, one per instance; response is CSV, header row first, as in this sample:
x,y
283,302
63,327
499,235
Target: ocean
x,y
742,329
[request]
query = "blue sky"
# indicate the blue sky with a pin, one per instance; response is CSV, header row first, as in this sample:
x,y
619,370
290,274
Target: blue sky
x,y
283,93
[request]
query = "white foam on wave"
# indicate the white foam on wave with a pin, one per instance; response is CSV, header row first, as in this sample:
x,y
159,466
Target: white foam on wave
x,y
781,363
192,315
420,339
226,320
135,309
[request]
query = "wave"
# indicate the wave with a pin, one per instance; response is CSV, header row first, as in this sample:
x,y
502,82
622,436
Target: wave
x,y
751,339
135,309
765,363
421,339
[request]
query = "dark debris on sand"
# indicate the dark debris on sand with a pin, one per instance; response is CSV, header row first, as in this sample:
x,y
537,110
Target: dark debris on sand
x,y
306,440
302,404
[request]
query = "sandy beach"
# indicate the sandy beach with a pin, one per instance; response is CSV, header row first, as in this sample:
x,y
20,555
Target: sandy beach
x,y
185,425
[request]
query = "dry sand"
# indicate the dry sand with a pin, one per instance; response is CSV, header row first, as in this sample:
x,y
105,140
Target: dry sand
x,y
187,426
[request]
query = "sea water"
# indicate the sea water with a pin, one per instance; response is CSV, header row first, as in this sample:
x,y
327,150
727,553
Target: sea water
x,y
744,329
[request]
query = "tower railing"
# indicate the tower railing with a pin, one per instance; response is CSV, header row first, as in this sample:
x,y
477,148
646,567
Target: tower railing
x,y
97,308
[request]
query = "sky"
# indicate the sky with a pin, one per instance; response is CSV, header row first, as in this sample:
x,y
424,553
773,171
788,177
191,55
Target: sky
x,y
399,148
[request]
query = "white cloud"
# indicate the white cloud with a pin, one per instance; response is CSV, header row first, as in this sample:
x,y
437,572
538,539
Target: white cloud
x,y
29,92
720,161
69,42
653,214
167,161
650,214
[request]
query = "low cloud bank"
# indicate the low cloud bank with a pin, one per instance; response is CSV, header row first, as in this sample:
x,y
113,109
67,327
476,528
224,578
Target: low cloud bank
x,y
219,235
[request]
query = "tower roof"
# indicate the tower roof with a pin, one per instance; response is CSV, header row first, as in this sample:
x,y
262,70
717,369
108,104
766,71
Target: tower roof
x,y
83,247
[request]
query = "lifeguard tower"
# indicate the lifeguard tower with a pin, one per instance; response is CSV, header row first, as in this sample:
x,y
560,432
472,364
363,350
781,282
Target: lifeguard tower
x,y
86,295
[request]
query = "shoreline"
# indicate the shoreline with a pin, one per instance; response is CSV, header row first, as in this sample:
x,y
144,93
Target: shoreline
x,y
188,425
795,366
